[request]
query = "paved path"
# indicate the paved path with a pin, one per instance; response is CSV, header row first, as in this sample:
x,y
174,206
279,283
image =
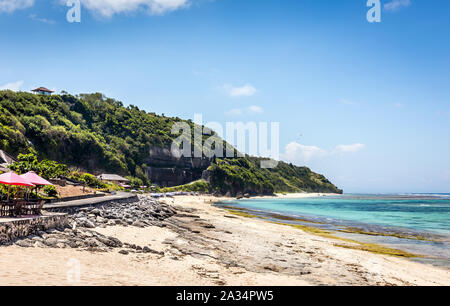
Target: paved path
x,y
91,201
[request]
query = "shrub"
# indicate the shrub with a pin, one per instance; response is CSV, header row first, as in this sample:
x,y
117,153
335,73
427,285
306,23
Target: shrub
x,y
110,187
135,182
89,179
198,186
50,191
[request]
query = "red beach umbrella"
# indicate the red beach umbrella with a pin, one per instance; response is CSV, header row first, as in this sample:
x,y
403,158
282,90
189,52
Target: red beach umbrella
x,y
13,179
35,179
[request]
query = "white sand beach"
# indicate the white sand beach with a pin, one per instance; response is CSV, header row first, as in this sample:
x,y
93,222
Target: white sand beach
x,y
206,245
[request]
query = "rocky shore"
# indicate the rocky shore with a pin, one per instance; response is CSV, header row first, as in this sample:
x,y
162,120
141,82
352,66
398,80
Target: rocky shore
x,y
81,233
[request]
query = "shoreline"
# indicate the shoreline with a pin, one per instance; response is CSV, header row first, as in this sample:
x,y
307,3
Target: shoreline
x,y
205,245
290,196
373,251
352,227
413,243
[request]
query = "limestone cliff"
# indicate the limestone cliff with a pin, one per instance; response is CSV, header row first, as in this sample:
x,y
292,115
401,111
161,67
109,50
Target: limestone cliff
x,y
166,170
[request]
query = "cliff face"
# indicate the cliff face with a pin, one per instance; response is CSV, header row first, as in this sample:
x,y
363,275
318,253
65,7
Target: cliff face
x,y
166,170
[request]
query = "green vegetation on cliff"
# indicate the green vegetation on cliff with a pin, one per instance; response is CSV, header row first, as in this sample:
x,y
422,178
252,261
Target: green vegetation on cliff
x,y
244,175
90,131
97,134
197,186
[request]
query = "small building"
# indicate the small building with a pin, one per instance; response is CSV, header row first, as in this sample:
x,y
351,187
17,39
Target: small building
x,y
113,178
42,91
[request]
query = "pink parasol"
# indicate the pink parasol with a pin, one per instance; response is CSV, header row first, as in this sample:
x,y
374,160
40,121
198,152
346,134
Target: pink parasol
x,y
13,179
35,179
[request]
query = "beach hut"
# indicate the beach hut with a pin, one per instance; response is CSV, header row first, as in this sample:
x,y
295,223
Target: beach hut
x,y
42,91
113,178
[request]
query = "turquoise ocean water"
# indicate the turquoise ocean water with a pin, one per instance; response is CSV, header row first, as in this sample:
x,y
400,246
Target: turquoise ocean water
x,y
415,214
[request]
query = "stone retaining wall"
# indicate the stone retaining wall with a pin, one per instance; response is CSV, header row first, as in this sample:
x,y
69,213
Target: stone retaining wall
x,y
82,197
75,209
56,217
14,229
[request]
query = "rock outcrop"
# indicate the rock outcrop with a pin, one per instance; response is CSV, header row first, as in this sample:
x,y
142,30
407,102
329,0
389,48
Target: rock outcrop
x,y
79,231
167,170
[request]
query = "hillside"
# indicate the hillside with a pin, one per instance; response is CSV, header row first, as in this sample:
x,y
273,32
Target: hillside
x,y
91,132
244,175
98,134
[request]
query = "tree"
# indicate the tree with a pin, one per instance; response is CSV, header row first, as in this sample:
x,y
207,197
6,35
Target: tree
x,y
47,169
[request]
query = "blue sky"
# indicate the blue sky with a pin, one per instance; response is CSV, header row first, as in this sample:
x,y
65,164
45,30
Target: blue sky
x,y
366,104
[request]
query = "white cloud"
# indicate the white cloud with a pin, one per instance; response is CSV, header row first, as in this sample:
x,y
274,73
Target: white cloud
x,y
15,86
244,91
10,6
108,8
349,148
254,109
300,154
395,5
34,17
399,105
